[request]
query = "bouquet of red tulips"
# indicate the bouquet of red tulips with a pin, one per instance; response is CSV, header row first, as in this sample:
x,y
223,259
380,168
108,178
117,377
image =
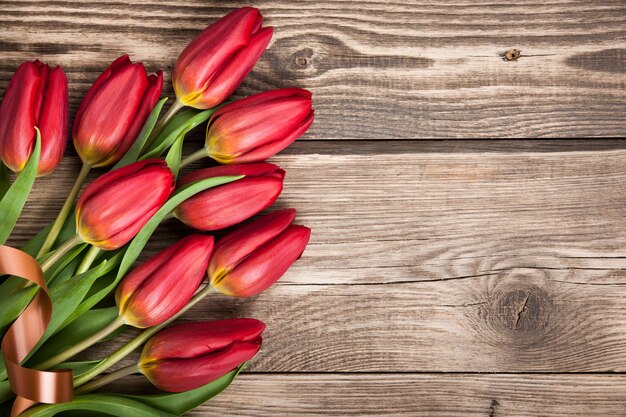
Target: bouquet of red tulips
x,y
89,252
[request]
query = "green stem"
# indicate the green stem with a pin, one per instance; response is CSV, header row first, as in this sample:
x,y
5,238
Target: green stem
x,y
90,256
199,154
59,252
65,211
128,348
107,379
82,345
160,125
168,216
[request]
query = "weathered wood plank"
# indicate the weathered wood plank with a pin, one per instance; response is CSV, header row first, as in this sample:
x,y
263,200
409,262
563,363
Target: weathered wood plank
x,y
379,70
425,395
438,262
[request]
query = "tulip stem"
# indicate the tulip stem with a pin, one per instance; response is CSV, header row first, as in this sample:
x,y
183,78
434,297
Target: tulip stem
x,y
107,379
65,211
82,345
160,125
59,252
199,154
139,340
90,256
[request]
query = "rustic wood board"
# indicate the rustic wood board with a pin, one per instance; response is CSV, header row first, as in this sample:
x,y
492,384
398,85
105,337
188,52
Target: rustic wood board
x,y
378,70
424,395
431,257
444,278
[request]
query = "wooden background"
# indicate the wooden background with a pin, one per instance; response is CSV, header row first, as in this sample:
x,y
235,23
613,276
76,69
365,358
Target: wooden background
x,y
480,278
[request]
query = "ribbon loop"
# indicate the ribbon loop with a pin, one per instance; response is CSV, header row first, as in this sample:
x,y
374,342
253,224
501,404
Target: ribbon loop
x,y
30,386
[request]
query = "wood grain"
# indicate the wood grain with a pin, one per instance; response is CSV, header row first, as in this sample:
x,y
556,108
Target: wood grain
x,y
426,395
444,278
379,70
438,261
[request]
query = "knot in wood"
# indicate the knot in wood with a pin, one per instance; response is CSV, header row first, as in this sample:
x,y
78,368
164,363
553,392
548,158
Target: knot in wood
x,y
523,310
511,55
301,61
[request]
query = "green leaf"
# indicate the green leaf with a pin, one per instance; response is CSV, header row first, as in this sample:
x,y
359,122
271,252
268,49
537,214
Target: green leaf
x,y
133,153
114,405
79,368
5,182
87,324
15,298
5,391
175,154
182,123
167,404
67,296
183,402
9,311
139,242
13,200
66,266
32,246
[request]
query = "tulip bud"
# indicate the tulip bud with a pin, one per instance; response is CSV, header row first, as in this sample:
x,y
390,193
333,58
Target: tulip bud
x,y
113,208
157,289
231,203
213,65
257,127
250,259
36,96
189,355
113,112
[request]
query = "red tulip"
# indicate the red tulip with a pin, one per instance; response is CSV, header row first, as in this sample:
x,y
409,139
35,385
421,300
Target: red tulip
x,y
113,111
190,355
231,203
213,65
257,127
158,288
36,96
249,260
113,208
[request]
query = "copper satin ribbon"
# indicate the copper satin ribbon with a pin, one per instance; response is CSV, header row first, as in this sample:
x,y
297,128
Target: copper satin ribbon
x,y
30,386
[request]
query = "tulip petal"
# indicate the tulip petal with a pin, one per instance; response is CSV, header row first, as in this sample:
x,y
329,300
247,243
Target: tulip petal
x,y
195,339
149,100
272,148
266,265
18,116
249,170
116,206
234,71
53,120
120,62
158,288
107,118
178,375
232,203
244,130
205,55
261,99
238,245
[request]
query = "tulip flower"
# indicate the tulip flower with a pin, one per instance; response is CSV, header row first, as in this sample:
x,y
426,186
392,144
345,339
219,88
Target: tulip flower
x,y
256,127
154,291
157,289
36,96
229,204
107,123
113,112
113,208
250,259
189,355
213,65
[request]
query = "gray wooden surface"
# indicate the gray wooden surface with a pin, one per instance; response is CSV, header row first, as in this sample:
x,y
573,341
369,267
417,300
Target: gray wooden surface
x,y
443,278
